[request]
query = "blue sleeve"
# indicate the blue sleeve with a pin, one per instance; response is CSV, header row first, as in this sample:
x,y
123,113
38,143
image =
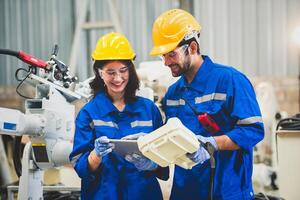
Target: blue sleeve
x,y
248,129
157,119
83,145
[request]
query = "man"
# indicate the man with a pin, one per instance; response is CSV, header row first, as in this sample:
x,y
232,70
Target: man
x,y
219,94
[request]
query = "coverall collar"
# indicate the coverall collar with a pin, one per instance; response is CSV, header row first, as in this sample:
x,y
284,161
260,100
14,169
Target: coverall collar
x,y
106,106
134,107
201,77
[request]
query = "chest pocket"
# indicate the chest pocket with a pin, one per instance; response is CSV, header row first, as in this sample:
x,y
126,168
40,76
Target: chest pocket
x,y
221,115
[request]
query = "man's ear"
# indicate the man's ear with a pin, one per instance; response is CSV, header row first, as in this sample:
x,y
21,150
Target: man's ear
x,y
193,47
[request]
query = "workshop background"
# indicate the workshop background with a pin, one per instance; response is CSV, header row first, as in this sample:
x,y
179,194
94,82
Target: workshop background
x,y
254,36
258,37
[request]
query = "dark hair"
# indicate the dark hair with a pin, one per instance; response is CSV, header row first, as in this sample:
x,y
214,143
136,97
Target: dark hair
x,y
183,42
97,84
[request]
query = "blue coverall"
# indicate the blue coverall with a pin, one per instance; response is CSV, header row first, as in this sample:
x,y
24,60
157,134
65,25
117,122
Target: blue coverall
x,y
229,98
115,178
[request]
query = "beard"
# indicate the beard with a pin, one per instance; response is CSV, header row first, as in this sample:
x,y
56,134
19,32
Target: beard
x,y
180,69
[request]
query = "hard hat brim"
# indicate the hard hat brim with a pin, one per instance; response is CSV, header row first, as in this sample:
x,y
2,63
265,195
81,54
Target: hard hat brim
x,y
163,49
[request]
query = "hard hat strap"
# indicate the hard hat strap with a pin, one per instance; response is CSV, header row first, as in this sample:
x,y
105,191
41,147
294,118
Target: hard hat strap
x,y
191,35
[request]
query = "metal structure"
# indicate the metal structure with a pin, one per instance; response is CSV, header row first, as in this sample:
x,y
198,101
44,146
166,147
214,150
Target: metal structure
x,y
253,36
82,25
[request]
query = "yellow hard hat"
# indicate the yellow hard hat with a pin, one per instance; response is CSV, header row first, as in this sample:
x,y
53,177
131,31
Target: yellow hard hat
x,y
113,46
170,28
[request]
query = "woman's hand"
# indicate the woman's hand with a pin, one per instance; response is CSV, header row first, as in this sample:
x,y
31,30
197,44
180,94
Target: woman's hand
x,y
102,146
141,162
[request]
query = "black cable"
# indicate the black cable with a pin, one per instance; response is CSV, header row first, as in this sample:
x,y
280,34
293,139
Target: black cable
x,y
291,123
29,71
17,149
211,150
262,196
191,107
56,195
9,52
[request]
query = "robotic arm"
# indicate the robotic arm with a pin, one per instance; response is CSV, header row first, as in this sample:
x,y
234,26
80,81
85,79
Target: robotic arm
x,y
48,119
15,123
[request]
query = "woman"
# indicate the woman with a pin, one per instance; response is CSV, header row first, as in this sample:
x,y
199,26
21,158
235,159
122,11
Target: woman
x,y
115,112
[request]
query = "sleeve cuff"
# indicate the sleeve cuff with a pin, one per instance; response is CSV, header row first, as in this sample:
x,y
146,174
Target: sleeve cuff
x,y
246,137
82,168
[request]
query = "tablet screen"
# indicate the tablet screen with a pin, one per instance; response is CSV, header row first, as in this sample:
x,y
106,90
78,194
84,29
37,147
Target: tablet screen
x,y
124,147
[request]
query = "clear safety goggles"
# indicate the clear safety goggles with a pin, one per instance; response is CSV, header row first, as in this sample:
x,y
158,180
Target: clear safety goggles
x,y
112,73
174,54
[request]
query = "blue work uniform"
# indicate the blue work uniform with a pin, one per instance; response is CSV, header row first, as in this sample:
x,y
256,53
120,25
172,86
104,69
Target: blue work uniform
x,y
115,178
229,98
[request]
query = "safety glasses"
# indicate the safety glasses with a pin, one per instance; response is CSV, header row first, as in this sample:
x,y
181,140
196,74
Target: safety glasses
x,y
174,54
112,73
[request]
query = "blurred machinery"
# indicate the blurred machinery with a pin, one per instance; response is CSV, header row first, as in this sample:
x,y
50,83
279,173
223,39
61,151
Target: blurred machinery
x,y
264,168
48,119
275,169
288,150
269,107
155,75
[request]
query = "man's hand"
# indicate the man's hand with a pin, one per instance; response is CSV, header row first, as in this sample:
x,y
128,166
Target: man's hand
x,y
102,146
141,163
211,140
201,155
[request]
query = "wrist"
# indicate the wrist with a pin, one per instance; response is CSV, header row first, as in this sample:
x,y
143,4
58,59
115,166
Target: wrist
x,y
94,158
154,166
225,143
214,143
